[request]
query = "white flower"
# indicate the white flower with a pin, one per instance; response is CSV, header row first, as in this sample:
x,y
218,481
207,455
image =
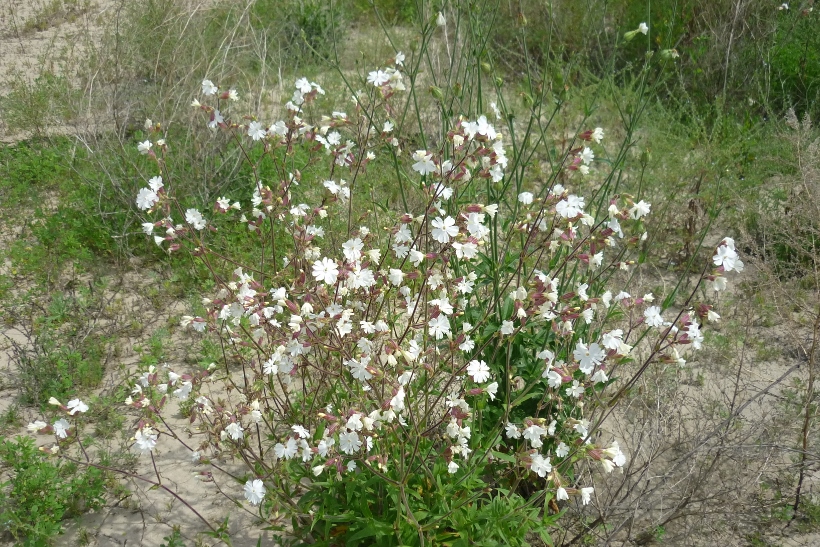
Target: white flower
x,y
36,426
439,326
575,390
144,147
397,402
653,316
582,427
533,434
587,155
525,197
643,28
598,135
352,249
234,431
640,209
195,219
359,369
424,162
378,78
561,494
586,493
301,431
612,339
571,207
145,439
256,131
540,465
155,183
562,449
492,389
600,376
726,256
512,431
216,119
326,270
208,88
615,454
444,229
507,328
443,304
440,20
395,276
354,423
452,467
75,405
255,491
479,371
467,250
719,284
146,198
588,357
349,442
303,85
287,450
554,379
61,427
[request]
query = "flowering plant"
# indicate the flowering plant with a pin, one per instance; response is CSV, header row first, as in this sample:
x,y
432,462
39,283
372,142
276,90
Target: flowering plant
x,y
424,372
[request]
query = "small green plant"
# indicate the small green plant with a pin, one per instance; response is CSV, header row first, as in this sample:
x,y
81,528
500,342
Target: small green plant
x,y
10,418
308,29
39,493
51,369
55,13
173,540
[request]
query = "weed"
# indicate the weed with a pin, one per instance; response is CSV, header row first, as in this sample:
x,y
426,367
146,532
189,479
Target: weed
x,y
55,13
173,540
40,494
10,419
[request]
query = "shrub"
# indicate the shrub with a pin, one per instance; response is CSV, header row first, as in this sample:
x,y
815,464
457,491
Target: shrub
x,y
431,371
425,359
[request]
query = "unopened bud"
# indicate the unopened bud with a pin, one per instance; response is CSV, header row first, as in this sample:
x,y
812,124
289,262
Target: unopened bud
x,y
646,157
669,54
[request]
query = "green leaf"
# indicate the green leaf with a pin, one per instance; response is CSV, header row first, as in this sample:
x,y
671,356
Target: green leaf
x,y
504,457
369,531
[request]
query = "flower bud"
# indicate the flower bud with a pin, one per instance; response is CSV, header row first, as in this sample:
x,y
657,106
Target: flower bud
x,y
669,54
